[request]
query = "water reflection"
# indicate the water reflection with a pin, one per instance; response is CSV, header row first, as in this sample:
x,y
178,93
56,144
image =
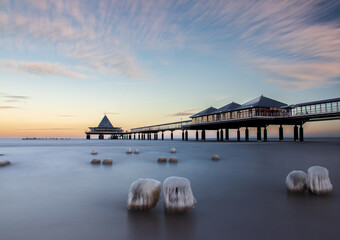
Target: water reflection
x,y
158,224
147,224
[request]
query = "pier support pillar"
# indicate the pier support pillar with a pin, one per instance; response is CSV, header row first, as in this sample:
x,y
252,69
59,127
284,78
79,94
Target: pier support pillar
x,y
186,135
301,133
296,133
129,136
172,135
227,134
221,134
265,134
88,136
162,135
101,136
196,135
182,135
203,135
134,136
238,135
218,135
247,134
281,133
259,134
138,136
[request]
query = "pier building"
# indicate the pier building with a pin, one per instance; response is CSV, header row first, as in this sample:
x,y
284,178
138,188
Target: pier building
x,y
105,127
258,113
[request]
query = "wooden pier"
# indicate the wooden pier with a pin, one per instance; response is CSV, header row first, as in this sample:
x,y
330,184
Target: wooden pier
x,y
258,113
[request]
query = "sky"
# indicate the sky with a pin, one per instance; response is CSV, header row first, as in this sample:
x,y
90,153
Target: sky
x,y
65,63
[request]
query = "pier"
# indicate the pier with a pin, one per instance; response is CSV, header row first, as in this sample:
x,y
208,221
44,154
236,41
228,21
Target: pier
x,y
258,113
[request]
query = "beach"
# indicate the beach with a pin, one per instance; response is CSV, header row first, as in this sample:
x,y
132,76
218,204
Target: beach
x,y
51,191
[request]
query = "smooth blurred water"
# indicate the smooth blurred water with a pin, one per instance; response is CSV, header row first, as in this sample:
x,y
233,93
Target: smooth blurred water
x,y
51,191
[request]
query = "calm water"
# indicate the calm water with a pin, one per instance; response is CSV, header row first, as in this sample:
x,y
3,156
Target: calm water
x,y
51,191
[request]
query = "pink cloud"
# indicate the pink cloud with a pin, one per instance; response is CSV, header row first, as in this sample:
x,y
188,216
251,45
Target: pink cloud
x,y
40,68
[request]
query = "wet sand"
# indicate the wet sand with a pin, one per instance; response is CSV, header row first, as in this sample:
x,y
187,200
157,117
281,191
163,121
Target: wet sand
x,y
51,191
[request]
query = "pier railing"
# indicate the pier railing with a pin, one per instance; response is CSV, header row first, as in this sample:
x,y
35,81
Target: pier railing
x,y
162,127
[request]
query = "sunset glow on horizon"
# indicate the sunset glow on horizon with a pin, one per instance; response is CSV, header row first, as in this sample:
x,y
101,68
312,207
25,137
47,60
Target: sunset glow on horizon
x,y
64,64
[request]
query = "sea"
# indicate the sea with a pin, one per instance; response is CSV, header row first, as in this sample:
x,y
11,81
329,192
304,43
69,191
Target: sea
x,y
51,190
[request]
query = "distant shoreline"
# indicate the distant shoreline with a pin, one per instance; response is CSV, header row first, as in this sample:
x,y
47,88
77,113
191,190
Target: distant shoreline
x,y
51,138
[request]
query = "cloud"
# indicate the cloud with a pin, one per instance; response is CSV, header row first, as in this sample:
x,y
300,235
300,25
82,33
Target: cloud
x,y
40,68
45,129
66,115
188,112
16,97
7,107
299,75
107,37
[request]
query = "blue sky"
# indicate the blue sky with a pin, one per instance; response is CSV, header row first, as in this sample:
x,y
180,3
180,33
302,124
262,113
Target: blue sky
x,y
63,64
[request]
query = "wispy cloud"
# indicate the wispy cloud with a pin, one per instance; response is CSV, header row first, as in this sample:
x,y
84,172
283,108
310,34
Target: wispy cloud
x,y
7,107
45,129
40,68
188,112
299,75
66,115
16,97
106,36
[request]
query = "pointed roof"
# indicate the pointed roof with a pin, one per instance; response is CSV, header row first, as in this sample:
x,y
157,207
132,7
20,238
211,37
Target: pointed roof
x,y
262,101
204,112
227,108
105,123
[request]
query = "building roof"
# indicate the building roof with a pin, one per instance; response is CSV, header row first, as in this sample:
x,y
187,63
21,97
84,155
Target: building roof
x,y
262,101
316,102
105,123
205,112
227,108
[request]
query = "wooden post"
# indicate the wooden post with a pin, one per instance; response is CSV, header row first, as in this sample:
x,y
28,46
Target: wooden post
x,y
296,133
281,133
258,133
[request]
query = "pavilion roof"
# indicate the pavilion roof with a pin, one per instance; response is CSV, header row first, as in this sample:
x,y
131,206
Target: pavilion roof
x,y
205,112
105,123
227,108
261,101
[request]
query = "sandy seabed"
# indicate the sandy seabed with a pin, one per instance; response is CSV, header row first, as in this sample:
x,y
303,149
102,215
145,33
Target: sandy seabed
x,y
51,191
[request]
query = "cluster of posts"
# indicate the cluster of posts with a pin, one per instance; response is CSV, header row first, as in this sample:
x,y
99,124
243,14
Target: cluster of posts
x,y
221,134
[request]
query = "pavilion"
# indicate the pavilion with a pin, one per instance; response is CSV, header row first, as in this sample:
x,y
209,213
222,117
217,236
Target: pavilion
x,y
104,128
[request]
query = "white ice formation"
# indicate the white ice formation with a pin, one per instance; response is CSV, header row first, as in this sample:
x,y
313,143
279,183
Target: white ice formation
x,y
173,150
136,151
129,151
296,181
143,194
95,161
178,196
318,181
173,160
4,163
161,159
215,157
94,152
107,161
